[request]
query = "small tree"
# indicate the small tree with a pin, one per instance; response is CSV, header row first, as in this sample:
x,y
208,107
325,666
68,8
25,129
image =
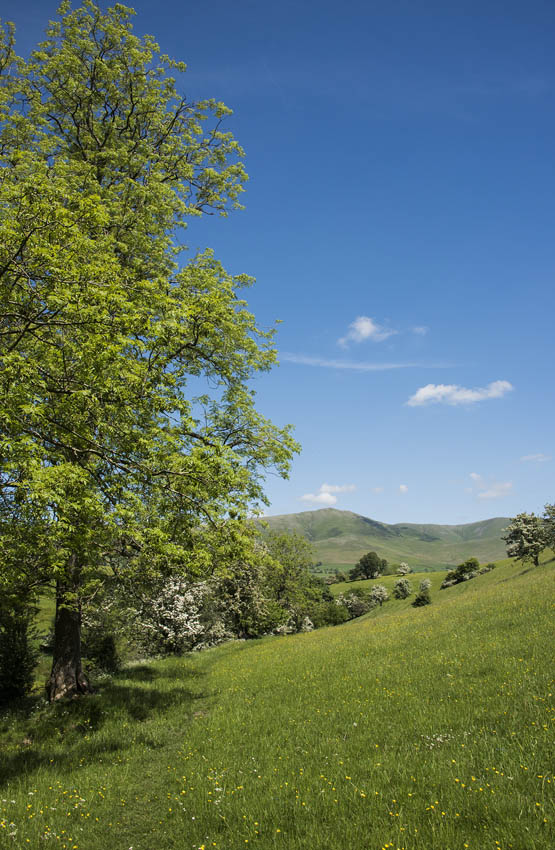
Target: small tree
x,y
403,569
526,537
379,594
402,588
369,566
423,595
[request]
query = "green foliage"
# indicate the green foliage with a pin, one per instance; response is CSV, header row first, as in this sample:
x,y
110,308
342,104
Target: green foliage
x,y
110,459
329,614
402,588
369,566
18,654
356,603
464,572
339,576
294,588
423,596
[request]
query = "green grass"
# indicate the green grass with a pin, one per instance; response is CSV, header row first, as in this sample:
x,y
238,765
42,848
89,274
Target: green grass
x,y
411,729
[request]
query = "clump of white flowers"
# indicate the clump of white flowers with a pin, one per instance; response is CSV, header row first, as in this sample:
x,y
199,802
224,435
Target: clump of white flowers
x,y
402,588
179,617
379,594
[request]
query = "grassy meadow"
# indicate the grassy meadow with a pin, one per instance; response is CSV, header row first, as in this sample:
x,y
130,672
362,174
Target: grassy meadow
x,y
409,729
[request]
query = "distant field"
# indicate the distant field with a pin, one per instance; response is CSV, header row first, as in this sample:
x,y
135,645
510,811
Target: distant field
x,y
412,729
340,538
388,581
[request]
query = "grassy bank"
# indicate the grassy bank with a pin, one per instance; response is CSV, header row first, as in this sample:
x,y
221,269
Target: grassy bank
x,y
410,728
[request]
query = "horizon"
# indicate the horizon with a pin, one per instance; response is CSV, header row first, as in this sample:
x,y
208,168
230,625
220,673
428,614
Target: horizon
x,y
401,522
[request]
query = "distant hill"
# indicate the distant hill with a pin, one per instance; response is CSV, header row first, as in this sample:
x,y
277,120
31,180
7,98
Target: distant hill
x,y
340,538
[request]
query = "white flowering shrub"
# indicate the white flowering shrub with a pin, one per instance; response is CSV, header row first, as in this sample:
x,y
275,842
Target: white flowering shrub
x,y
179,617
402,588
379,594
356,604
403,569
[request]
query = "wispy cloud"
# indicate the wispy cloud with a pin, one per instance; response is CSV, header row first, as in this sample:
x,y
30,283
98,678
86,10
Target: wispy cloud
x,y
364,328
420,330
538,458
377,489
454,395
327,494
496,491
475,476
403,488
325,363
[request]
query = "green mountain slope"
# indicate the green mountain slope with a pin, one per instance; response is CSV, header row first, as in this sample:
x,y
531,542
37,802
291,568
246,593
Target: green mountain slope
x,y
340,538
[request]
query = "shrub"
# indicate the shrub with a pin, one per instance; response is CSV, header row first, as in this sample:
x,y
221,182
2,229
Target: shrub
x,y
356,604
18,656
179,617
403,569
379,594
464,572
423,595
100,650
329,614
402,588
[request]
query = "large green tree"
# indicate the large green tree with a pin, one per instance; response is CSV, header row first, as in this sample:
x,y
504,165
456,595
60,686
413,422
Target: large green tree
x,y
129,436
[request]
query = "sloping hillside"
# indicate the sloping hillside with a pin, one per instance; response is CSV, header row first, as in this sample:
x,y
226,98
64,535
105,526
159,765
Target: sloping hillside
x,y
340,538
410,728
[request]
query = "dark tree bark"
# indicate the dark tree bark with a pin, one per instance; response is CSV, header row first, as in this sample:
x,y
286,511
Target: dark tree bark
x,y
67,677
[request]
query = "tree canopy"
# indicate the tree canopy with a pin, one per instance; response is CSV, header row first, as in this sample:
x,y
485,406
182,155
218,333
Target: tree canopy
x,y
369,566
129,437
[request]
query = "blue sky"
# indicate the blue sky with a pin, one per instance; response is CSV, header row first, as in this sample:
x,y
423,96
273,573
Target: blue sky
x,y
399,221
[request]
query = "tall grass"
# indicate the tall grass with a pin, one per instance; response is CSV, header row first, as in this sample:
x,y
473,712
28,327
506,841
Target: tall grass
x,y
409,729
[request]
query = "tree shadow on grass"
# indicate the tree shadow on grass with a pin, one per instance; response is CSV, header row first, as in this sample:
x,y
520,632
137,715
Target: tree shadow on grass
x,y
126,711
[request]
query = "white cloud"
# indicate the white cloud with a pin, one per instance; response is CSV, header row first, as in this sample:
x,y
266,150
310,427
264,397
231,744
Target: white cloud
x,y
496,491
320,498
364,328
403,488
324,363
539,458
377,489
326,494
337,488
420,330
475,476
453,394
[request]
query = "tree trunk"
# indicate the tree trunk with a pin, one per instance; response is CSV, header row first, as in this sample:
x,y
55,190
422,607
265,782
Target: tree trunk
x,y
67,677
